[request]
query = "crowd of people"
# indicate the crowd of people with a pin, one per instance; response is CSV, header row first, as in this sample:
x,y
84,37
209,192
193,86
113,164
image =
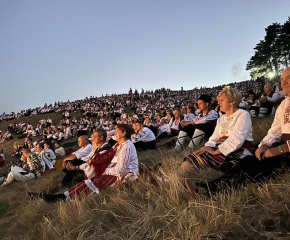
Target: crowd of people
x,y
109,138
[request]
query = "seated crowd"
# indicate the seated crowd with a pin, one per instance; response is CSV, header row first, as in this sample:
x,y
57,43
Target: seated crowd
x,y
109,144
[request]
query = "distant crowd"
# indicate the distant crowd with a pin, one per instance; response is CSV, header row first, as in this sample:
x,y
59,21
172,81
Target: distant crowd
x,y
154,101
148,106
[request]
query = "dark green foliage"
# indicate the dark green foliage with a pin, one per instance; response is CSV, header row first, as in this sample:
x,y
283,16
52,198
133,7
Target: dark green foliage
x,y
272,54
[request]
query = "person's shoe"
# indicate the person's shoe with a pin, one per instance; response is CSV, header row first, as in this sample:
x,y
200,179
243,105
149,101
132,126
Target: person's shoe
x,y
54,197
33,195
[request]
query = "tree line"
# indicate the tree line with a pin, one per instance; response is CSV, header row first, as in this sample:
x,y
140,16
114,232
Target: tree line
x,y
272,54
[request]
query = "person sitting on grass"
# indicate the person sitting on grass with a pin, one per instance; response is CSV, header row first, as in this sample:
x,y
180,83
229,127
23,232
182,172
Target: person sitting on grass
x,y
198,127
17,150
267,101
124,164
48,147
163,130
31,168
230,142
76,158
7,135
175,123
272,154
44,156
145,138
59,150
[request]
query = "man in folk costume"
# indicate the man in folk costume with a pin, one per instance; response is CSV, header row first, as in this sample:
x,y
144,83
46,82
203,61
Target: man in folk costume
x,y
272,154
76,158
144,138
100,156
199,127
124,165
266,101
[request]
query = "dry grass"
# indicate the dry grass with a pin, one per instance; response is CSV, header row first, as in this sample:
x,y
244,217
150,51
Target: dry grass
x,y
148,209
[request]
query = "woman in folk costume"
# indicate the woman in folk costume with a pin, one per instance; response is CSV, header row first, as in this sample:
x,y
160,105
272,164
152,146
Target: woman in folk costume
x,y
124,161
232,137
272,154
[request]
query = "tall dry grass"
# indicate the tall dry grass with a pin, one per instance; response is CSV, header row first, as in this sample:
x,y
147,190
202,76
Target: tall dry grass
x,y
149,209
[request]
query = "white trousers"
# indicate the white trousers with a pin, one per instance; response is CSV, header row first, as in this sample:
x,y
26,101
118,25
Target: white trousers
x,y
198,135
180,140
15,174
49,164
196,138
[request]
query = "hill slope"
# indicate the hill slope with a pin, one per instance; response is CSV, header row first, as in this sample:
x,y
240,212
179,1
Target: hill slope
x,y
148,209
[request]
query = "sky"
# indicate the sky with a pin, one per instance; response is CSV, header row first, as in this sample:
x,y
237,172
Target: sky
x,y
70,49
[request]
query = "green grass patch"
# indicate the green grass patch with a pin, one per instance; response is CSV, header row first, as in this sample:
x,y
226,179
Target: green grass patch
x,y
3,207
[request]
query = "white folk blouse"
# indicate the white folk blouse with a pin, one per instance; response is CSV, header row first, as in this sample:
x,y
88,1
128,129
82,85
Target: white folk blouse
x,y
237,127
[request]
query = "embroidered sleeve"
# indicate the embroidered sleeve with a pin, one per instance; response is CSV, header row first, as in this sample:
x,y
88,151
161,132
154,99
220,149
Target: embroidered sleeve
x,y
212,115
122,164
275,132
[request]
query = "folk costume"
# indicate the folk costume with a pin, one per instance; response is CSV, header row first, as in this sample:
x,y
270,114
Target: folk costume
x,y
124,163
145,139
31,169
265,108
202,126
252,169
175,126
82,156
232,136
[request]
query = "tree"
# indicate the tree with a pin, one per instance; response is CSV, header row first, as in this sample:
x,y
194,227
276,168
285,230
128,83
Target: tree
x,y
284,41
273,53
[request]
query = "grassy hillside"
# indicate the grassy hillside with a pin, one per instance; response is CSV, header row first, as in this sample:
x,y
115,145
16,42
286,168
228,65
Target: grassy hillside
x,y
148,209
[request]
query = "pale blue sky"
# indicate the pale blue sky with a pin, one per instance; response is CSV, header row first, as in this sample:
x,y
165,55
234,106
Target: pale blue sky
x,y
68,49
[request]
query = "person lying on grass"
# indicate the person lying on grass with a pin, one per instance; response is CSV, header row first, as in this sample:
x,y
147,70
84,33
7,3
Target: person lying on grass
x,y
124,161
